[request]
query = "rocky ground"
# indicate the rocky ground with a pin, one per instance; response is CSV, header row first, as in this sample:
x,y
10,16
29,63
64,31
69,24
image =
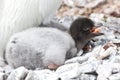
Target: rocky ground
x,y
99,61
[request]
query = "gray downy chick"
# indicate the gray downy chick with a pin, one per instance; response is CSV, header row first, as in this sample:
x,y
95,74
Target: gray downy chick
x,y
48,47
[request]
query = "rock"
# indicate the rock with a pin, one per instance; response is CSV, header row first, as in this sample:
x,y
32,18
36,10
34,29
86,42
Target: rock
x,y
89,67
106,20
70,3
115,68
87,77
84,3
18,74
8,69
111,51
115,59
104,71
107,69
42,75
69,71
2,76
117,2
95,53
113,23
115,77
95,3
2,70
113,10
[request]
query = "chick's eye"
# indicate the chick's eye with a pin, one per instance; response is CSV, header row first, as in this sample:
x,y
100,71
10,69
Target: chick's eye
x,y
86,29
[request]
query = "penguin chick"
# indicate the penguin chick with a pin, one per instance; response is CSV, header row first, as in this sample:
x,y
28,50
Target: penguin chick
x,y
48,47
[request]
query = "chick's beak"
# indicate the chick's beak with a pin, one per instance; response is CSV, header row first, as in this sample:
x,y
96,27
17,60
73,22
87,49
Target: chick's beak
x,y
96,31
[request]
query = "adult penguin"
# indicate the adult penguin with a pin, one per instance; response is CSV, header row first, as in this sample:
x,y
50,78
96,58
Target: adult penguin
x,y
18,15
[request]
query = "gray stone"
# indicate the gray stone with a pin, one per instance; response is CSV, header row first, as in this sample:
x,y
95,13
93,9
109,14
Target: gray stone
x,y
42,75
18,74
87,77
115,77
